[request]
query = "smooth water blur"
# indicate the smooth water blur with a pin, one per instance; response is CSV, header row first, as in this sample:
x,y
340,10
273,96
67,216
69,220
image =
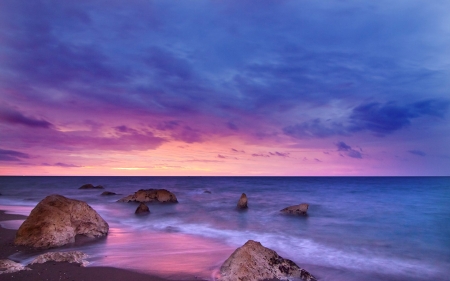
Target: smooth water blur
x,y
358,228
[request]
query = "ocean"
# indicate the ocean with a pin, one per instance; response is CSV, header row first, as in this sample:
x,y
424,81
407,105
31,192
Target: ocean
x,y
357,228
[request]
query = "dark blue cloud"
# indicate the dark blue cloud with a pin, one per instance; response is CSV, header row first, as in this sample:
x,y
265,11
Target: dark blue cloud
x,y
12,155
342,146
384,119
381,119
417,152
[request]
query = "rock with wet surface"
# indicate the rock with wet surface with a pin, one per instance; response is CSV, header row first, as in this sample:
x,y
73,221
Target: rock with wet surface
x,y
9,266
90,186
300,209
254,262
151,195
242,203
106,193
142,209
72,257
56,220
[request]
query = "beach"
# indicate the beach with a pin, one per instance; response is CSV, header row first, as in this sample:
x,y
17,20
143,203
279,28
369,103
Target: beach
x,y
59,270
356,229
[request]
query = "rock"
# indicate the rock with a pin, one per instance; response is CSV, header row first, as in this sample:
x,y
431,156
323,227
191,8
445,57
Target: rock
x,y
242,203
56,220
72,257
108,193
142,209
90,186
9,266
253,262
206,191
151,195
300,209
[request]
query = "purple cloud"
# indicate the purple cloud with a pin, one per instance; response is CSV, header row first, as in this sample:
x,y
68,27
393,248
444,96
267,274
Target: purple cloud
x,y
12,155
8,115
64,165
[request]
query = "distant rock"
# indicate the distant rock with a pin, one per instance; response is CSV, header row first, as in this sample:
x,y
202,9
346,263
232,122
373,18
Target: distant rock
x,y
242,203
254,262
151,195
56,220
108,193
206,191
300,209
72,257
142,209
9,266
90,186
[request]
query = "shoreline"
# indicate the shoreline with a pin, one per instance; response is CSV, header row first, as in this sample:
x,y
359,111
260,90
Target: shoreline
x,y
62,270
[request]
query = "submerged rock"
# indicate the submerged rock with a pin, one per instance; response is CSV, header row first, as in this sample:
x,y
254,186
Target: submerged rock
x,y
72,257
56,220
151,195
9,266
300,209
206,191
108,193
142,209
254,262
90,186
242,203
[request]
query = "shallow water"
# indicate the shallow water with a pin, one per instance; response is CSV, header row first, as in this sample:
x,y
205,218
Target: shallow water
x,y
358,228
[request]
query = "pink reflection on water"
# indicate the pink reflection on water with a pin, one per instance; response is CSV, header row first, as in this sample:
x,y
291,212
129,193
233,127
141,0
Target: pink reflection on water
x,y
172,255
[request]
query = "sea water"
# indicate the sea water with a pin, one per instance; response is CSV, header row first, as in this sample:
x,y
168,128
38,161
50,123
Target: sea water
x,y
357,228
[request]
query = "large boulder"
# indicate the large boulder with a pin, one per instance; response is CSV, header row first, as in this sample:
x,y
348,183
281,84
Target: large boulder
x,y
254,262
300,209
242,203
90,186
56,220
151,195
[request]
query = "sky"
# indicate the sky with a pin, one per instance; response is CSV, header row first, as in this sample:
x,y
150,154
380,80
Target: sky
x,y
251,88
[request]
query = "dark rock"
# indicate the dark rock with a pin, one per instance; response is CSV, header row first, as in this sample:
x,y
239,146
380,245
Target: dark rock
x,y
142,209
300,209
206,191
242,203
56,220
108,193
151,195
254,262
90,186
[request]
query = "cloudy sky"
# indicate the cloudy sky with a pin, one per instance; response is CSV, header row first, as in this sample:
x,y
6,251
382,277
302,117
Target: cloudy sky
x,y
224,87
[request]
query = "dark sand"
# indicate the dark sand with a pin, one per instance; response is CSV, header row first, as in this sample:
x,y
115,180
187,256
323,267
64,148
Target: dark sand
x,y
55,271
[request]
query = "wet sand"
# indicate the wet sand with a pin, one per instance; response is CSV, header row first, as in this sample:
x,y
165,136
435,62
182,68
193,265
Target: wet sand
x,y
60,270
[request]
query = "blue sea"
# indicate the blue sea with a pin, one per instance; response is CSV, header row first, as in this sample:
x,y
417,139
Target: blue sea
x,y
357,228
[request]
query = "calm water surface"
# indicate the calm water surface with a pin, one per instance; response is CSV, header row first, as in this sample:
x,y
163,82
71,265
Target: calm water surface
x,y
358,228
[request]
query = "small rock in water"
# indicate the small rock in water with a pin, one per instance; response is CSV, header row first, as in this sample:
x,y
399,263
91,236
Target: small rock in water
x,y
254,262
242,203
90,186
142,209
206,191
150,195
108,193
300,209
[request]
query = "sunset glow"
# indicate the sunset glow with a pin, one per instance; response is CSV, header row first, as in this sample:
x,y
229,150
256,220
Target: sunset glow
x,y
166,88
